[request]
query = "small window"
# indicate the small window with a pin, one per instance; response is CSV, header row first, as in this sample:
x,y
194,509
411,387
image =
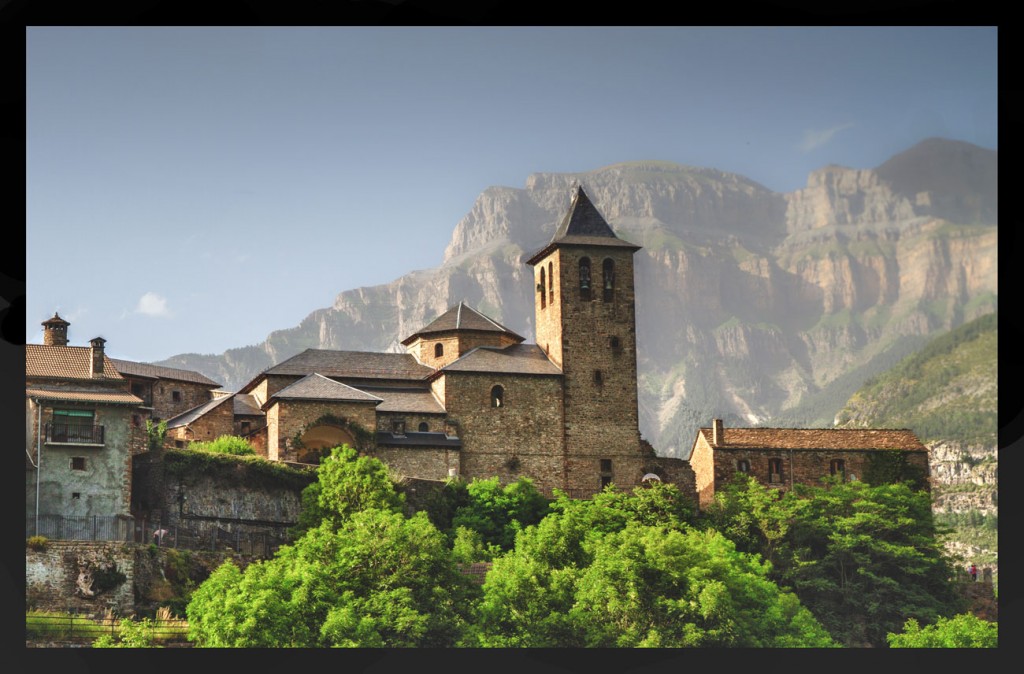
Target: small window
x,y
541,288
136,421
775,470
138,389
438,350
179,444
497,396
585,279
605,481
606,465
743,466
176,396
245,426
398,427
598,377
424,427
551,284
76,495
616,344
837,467
77,463
608,279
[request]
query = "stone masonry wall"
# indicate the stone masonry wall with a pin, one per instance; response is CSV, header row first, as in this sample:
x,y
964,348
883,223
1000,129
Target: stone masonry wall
x,y
702,461
63,577
455,345
103,485
424,463
191,395
287,419
804,466
215,423
526,428
434,422
599,363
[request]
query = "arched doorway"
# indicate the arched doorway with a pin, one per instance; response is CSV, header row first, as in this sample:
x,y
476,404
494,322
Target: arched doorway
x,y
318,438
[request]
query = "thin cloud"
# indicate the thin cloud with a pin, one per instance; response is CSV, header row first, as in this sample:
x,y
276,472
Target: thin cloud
x,y
814,139
152,304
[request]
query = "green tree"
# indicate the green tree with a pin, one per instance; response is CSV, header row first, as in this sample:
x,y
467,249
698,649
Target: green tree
x,y
651,587
347,483
625,569
862,558
961,631
377,580
499,512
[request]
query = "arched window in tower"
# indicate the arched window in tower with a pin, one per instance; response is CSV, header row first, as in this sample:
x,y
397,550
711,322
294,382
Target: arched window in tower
x,y
438,350
608,279
497,396
542,290
551,284
585,279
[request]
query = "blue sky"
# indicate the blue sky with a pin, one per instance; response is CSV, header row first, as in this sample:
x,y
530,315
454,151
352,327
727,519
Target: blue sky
x,y
221,183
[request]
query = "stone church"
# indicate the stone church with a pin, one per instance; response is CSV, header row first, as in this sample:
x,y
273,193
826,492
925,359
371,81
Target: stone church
x,y
469,397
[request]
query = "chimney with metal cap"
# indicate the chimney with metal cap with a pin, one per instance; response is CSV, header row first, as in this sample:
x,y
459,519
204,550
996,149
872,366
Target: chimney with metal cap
x,y
717,433
55,331
97,356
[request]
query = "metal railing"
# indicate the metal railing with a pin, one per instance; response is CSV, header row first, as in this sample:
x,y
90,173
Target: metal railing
x,y
90,434
82,527
77,627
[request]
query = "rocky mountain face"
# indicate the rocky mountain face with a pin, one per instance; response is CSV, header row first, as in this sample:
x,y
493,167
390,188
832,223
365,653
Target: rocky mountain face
x,y
752,306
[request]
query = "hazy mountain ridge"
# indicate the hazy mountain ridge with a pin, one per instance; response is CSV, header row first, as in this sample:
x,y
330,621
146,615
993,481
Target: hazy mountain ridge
x,y
750,303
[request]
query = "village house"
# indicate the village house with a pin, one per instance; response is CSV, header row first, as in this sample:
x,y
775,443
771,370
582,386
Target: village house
x,y
782,457
165,391
79,436
469,397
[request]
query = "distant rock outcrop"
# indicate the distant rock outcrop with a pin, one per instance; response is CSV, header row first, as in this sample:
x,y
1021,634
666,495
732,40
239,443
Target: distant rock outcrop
x,y
751,305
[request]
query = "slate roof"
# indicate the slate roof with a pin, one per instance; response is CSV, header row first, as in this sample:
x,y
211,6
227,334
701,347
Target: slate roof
x,y
351,364
318,387
815,438
84,396
188,416
65,362
412,400
160,372
461,317
417,439
515,359
583,225
245,403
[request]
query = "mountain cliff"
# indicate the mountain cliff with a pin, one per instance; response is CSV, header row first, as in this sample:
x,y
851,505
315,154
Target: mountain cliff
x,y
752,305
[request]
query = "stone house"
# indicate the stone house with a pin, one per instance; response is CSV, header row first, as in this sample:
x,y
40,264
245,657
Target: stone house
x,y
79,433
165,391
470,397
782,457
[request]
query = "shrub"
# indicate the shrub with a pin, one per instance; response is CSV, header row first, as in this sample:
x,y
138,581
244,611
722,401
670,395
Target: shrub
x,y
225,444
37,543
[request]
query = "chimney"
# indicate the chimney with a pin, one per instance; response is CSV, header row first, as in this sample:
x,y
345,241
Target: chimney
x,y
717,433
97,356
55,331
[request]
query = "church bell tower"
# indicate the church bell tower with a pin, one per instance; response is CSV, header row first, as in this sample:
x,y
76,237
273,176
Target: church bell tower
x,y
585,321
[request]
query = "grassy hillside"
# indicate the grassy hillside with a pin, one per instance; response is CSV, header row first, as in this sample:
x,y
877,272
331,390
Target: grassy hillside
x,y
944,392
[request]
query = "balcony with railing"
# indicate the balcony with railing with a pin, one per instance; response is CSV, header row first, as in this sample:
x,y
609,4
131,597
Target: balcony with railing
x,y
58,433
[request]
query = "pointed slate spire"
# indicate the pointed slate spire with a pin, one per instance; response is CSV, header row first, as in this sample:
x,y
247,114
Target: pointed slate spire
x,y
583,219
583,225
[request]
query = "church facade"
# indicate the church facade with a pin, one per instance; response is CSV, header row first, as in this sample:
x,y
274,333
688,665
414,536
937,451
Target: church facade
x,y
470,397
